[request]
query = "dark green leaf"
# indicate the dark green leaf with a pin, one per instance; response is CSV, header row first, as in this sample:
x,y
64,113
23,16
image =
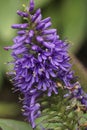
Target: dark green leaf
x,y
6,124
74,22
80,71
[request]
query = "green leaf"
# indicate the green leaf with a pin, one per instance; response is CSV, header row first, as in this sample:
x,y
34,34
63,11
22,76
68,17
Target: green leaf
x,y
74,22
80,71
7,124
7,17
55,113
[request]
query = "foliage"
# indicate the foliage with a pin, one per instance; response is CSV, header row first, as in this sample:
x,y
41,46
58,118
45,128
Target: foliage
x,y
13,125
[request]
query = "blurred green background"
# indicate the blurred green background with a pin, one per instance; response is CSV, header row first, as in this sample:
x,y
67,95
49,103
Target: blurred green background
x,y
68,16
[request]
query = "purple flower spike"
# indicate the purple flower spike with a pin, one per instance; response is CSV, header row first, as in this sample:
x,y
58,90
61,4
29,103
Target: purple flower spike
x,y
40,60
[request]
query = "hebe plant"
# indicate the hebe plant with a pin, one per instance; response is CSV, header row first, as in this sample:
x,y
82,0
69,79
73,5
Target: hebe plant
x,y
52,98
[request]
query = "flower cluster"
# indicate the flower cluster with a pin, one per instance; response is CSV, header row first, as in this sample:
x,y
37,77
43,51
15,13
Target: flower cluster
x,y
40,60
78,93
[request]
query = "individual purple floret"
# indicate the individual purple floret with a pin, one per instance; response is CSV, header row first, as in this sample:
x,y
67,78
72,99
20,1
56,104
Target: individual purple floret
x,y
40,60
